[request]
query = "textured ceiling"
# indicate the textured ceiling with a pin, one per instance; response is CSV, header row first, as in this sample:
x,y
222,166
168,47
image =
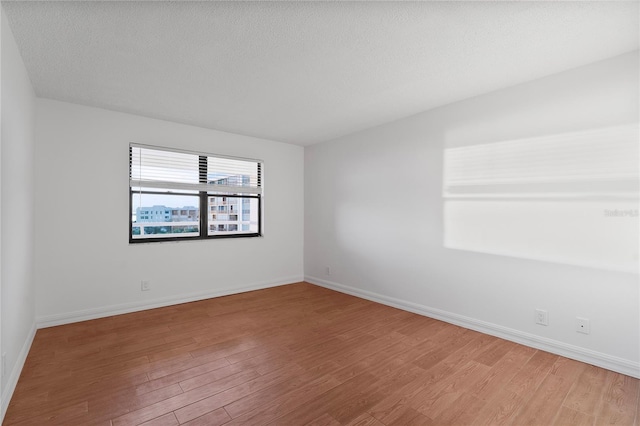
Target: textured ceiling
x,y
304,72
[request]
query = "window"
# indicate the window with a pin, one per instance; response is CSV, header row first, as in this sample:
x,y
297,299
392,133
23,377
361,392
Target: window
x,y
168,190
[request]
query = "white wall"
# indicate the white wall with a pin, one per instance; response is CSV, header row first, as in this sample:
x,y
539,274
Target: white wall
x,y
85,266
17,212
375,215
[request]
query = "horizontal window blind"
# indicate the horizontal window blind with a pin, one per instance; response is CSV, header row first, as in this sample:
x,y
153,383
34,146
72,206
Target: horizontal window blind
x,y
173,170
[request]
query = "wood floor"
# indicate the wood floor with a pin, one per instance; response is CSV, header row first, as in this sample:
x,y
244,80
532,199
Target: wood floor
x,y
301,354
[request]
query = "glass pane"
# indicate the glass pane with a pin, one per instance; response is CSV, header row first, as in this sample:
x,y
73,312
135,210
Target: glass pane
x,y
232,215
164,216
230,172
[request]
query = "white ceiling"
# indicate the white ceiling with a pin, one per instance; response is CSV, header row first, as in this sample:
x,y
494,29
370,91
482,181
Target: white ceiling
x,y
304,72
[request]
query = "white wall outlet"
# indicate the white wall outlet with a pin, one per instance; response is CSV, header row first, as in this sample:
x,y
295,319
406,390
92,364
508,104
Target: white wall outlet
x,y
145,285
582,325
327,271
541,317
4,365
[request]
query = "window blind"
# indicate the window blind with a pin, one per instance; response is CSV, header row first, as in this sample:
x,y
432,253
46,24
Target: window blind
x,y
174,170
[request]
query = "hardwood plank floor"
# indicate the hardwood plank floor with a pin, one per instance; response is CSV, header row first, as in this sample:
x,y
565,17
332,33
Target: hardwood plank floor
x,y
301,354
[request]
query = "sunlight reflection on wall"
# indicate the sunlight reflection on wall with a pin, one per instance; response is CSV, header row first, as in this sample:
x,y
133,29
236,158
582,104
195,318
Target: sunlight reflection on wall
x,y
570,198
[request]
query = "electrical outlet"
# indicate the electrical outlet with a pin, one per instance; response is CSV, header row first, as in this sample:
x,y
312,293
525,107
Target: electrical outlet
x,y
327,271
145,285
582,325
541,317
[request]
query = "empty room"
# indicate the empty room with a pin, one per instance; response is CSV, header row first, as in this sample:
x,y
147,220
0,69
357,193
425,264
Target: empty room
x,y
319,213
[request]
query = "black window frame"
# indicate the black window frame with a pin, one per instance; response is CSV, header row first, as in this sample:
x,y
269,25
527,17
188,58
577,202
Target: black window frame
x,y
203,198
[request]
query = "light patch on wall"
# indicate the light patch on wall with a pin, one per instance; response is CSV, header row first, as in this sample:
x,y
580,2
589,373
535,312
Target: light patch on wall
x,y
569,198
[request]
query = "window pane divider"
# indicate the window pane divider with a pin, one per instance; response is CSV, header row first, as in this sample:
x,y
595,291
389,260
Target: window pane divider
x,y
200,187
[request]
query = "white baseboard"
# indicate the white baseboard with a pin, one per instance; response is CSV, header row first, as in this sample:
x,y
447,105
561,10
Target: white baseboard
x,y
599,359
125,308
12,382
